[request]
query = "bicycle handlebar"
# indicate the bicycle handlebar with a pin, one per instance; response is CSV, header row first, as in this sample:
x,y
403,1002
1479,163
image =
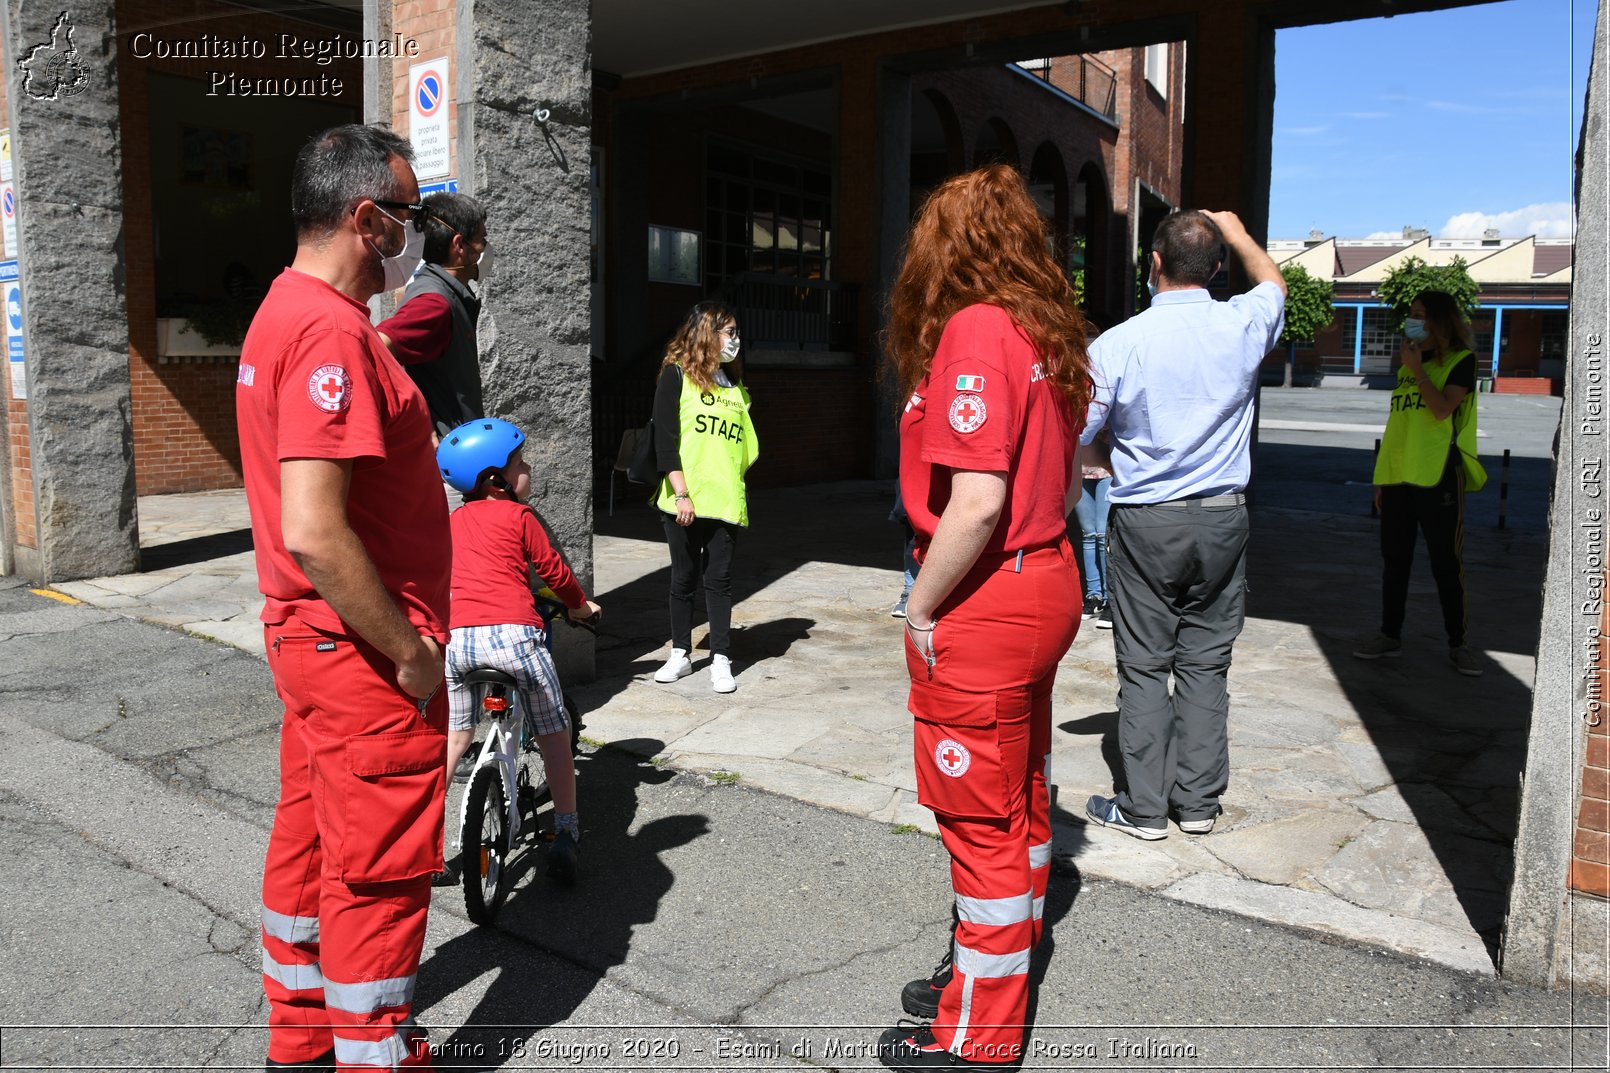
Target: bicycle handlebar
x,y
550,608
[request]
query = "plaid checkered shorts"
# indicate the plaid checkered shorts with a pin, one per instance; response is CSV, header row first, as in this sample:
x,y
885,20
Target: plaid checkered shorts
x,y
520,651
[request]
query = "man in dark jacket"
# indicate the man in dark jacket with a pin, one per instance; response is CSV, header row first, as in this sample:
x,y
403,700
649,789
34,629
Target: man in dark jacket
x,y
433,333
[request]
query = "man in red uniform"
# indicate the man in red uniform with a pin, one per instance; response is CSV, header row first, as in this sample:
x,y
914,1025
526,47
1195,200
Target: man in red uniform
x,y
353,557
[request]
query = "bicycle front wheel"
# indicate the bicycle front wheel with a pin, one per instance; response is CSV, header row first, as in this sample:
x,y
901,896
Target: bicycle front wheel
x,y
486,846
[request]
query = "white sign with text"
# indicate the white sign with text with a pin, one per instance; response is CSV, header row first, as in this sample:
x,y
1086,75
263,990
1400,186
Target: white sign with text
x,y
427,119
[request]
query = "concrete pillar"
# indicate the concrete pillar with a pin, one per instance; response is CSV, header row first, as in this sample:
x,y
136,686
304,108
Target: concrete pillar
x,y
519,61
1230,84
63,92
1537,945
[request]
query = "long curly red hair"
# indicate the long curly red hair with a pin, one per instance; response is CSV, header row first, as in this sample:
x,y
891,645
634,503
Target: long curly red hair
x,y
979,239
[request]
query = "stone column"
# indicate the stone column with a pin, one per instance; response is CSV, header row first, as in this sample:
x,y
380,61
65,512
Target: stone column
x,y
1230,84
1538,945
63,91
526,115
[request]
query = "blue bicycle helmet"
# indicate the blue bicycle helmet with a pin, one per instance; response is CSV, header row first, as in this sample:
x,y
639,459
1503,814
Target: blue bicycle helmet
x,y
469,451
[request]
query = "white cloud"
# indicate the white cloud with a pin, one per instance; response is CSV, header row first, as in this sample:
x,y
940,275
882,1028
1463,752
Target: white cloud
x,y
1384,234
1549,220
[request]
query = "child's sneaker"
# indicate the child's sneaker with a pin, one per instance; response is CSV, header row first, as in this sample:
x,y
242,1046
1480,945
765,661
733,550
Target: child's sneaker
x,y
562,858
721,675
678,666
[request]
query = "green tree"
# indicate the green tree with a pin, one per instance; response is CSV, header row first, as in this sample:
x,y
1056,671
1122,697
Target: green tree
x,y
1310,306
1405,282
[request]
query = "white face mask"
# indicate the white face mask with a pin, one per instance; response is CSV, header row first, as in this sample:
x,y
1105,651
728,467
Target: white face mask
x,y
729,348
400,266
484,264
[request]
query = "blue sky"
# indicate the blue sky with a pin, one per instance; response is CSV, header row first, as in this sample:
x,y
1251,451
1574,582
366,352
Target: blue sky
x,y
1451,120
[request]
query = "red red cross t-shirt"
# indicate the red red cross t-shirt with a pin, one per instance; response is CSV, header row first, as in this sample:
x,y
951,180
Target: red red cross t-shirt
x,y
986,405
316,382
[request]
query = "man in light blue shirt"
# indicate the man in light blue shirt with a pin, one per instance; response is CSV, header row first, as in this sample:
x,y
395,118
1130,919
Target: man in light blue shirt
x,y
1173,390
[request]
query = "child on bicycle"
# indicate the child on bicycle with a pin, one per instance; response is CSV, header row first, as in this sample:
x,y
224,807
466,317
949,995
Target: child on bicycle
x,y
496,541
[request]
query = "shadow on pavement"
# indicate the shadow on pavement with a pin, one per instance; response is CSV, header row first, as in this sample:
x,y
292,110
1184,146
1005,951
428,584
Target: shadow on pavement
x,y
577,925
194,550
1454,746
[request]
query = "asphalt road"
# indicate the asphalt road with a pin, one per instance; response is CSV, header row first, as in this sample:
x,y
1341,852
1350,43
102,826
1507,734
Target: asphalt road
x,y
1316,451
716,926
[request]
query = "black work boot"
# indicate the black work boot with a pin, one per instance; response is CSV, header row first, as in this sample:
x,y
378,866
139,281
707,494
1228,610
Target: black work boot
x,y
920,998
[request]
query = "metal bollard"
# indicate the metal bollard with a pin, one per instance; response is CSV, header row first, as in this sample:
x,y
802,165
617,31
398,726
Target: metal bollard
x,y
1503,490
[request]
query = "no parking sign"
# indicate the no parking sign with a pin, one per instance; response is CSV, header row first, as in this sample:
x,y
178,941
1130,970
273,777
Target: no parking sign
x,y
428,89
8,218
11,287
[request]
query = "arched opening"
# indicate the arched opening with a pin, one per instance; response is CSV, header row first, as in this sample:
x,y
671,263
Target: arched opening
x,y
1091,249
996,144
936,143
1048,185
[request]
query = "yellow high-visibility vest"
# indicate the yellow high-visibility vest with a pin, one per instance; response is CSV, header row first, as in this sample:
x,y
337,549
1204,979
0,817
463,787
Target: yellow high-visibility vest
x,y
716,442
1415,445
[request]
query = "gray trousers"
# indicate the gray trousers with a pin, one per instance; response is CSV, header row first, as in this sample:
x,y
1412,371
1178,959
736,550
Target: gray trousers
x,y
1178,583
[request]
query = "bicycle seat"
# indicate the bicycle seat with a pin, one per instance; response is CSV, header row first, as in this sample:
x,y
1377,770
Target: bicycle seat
x,y
486,676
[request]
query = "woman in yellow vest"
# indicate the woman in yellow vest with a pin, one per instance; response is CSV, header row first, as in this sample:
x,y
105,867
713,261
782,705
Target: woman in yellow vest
x,y
1426,464
704,443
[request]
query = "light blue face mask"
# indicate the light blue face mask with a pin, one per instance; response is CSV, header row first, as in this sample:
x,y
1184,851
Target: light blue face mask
x,y
1415,329
1151,285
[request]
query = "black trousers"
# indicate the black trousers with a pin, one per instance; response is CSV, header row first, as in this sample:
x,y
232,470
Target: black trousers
x,y
703,549
1439,513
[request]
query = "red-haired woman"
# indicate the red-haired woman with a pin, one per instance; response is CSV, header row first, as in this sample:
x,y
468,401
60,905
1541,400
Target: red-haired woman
x,y
989,350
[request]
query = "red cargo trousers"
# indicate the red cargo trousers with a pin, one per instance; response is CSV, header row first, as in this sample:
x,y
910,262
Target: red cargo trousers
x,y
983,751
357,834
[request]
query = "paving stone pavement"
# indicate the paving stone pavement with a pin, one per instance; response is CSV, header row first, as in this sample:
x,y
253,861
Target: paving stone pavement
x,y
1370,801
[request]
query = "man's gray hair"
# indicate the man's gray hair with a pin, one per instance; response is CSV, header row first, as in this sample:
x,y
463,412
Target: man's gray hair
x,y
338,169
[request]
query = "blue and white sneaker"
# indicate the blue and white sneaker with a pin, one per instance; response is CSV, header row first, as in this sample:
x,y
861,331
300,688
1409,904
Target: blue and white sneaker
x,y
1104,811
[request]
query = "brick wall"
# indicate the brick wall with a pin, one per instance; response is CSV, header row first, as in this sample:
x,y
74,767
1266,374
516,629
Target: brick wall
x,y
813,424
1590,848
432,24
184,414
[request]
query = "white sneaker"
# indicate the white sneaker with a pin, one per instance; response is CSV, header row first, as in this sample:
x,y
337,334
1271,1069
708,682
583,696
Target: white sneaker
x,y
721,674
678,666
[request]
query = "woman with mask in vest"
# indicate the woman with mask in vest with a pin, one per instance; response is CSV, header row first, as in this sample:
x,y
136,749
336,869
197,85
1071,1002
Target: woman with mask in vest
x,y
1426,464
704,443
988,346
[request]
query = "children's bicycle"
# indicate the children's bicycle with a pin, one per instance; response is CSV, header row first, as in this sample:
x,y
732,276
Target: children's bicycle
x,y
508,784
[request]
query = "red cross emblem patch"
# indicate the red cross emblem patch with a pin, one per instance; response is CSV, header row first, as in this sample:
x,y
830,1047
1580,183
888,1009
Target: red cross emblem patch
x,y
953,758
967,412
330,388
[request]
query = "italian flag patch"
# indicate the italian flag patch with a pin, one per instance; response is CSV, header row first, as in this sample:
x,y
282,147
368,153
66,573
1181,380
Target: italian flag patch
x,y
969,383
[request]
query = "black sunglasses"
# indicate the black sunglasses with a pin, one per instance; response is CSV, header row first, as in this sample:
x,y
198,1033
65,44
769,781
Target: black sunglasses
x,y
421,211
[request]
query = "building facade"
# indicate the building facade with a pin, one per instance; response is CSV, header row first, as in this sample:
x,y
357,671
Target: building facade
x,y
1521,324
633,158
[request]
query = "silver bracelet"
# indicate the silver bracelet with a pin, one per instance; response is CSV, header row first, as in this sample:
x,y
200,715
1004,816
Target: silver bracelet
x,y
922,629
